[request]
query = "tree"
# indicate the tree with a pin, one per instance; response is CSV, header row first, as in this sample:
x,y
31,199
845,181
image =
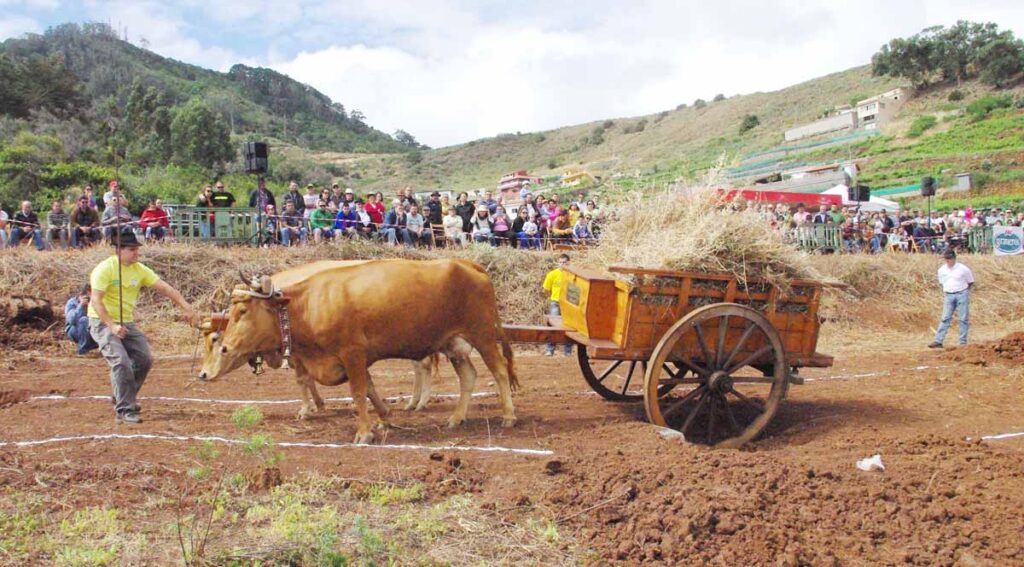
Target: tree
x,y
718,97
1001,60
699,103
198,136
749,122
406,139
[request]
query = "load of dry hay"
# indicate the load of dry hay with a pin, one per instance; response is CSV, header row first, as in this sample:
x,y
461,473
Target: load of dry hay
x,y
694,230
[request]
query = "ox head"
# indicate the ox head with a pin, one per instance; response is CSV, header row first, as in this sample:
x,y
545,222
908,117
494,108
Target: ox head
x,y
249,327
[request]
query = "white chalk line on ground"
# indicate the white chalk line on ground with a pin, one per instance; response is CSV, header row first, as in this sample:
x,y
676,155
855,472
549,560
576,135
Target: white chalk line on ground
x,y
59,397
999,436
299,444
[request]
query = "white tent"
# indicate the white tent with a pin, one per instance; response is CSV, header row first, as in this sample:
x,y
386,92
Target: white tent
x,y
875,204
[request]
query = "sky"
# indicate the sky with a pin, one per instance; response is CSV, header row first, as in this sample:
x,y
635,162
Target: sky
x,y
451,71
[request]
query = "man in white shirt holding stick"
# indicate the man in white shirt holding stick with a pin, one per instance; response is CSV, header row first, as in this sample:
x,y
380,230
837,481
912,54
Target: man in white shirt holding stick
x,y
957,281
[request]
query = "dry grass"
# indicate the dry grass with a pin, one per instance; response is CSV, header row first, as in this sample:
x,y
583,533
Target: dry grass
x,y
693,230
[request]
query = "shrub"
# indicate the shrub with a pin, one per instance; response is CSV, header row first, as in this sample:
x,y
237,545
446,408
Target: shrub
x,y
920,124
699,103
718,97
955,95
982,107
607,124
635,127
749,122
681,106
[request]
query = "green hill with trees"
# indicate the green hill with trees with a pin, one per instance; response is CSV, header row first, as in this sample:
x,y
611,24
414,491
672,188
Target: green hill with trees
x,y
76,102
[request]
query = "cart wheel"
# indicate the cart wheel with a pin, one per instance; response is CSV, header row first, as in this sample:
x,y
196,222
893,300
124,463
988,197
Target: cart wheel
x,y
726,338
621,380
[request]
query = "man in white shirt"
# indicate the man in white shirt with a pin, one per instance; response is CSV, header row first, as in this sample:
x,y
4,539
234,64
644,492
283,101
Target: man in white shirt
x,y
956,280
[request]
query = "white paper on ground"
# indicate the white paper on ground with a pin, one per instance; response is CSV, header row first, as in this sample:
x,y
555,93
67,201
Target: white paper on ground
x,y
872,463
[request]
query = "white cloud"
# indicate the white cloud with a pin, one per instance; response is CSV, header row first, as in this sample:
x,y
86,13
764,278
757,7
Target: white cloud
x,y
14,26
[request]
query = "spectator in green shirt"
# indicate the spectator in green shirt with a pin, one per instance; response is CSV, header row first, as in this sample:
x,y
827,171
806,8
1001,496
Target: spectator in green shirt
x,y
321,222
837,217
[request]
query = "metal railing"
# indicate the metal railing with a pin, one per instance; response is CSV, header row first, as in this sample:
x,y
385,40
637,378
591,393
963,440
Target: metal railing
x,y
819,238
216,225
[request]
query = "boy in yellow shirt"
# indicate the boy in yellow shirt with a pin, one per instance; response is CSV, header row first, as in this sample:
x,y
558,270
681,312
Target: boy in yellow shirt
x,y
553,285
112,326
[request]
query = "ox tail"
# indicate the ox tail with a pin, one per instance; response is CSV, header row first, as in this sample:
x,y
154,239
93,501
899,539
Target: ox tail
x,y
506,350
435,368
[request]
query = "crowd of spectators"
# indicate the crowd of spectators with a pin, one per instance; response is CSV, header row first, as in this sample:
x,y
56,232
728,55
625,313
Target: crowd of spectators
x,y
910,230
82,223
329,214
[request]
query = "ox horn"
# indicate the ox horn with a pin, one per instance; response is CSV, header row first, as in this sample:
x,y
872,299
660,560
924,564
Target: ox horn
x,y
266,285
245,279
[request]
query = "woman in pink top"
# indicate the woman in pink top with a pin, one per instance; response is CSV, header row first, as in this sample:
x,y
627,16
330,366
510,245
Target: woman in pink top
x,y
375,209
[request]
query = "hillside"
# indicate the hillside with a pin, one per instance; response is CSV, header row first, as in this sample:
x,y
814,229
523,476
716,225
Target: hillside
x,y
677,144
256,101
674,143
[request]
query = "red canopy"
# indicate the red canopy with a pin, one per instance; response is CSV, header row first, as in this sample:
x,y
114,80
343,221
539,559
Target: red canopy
x,y
781,197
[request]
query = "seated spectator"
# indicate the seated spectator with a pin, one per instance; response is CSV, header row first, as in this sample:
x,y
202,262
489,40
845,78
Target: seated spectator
x,y
346,222
85,224
561,229
395,224
481,227
851,237
271,225
419,230
502,227
489,202
822,217
57,225
433,209
321,222
154,221
116,213
465,209
4,227
26,224
453,228
76,320
365,228
517,226
293,225
530,235
581,231
375,209
574,213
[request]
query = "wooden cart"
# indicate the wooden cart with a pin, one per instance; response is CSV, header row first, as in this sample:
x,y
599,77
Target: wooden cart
x,y
708,355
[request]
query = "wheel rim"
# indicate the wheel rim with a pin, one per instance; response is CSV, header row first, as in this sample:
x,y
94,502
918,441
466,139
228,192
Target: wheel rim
x,y
721,403
619,380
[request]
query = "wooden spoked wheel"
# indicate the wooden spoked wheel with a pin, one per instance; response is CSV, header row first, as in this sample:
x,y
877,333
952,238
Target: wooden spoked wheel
x,y
719,404
621,380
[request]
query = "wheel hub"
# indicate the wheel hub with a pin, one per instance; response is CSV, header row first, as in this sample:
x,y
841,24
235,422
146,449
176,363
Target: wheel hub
x,y
720,382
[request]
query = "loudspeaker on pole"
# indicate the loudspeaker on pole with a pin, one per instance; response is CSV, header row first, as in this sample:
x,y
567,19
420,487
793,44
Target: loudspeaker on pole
x,y
256,156
859,193
927,186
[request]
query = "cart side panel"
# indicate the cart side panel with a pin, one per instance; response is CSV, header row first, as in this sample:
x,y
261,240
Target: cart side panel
x,y
622,293
588,302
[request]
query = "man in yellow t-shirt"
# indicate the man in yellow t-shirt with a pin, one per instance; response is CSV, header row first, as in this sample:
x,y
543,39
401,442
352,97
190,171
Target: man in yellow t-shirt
x,y
553,285
112,326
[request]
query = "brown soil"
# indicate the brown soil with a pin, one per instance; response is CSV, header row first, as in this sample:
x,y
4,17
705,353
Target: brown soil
x,y
621,492
1007,350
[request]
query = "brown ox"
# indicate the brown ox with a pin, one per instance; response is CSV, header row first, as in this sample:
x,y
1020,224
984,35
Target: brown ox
x,y
347,315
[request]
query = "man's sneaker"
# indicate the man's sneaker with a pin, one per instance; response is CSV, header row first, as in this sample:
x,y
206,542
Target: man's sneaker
x,y
935,345
136,408
129,418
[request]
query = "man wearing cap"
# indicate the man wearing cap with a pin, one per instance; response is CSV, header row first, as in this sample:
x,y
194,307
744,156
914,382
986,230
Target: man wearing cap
x,y
116,282
310,200
434,212
115,191
956,280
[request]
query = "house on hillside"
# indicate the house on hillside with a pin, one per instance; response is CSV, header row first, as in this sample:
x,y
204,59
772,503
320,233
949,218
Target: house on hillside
x,y
869,114
879,109
510,183
574,177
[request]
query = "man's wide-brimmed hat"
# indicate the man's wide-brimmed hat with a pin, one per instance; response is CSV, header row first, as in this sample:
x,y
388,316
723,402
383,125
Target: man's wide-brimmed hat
x,y
125,239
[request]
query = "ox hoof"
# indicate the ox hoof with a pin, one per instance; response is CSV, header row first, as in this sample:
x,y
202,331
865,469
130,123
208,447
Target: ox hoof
x,y
454,422
508,422
364,438
303,414
412,405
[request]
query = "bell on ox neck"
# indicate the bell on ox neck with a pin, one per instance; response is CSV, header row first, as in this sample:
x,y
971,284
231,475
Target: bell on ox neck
x,y
257,364
286,364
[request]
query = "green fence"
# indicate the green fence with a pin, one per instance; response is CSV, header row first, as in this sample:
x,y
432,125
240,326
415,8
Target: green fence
x,y
819,238
216,225
980,240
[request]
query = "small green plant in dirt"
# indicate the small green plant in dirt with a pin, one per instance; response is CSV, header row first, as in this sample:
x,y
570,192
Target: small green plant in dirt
x,y
18,530
383,494
93,536
261,446
372,546
312,531
247,417
546,530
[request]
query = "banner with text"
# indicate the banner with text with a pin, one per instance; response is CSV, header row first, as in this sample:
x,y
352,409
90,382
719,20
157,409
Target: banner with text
x,y
1008,240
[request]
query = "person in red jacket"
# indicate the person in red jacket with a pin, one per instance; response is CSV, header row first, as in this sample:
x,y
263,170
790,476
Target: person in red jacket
x,y
375,209
154,220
